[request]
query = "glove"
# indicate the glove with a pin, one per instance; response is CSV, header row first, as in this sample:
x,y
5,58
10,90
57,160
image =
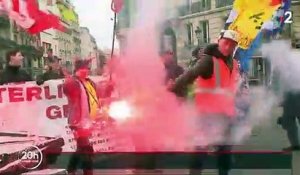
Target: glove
x,y
40,80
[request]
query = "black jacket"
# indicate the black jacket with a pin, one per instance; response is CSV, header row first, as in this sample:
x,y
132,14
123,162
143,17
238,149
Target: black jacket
x,y
291,103
173,71
14,74
49,75
203,68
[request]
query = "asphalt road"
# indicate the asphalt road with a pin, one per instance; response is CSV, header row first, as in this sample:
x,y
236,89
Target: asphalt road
x,y
268,137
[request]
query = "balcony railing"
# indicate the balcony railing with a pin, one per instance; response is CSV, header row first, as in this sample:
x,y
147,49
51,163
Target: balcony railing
x,y
223,3
196,7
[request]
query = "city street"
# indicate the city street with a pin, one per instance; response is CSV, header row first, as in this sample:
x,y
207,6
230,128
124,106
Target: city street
x,y
266,138
112,86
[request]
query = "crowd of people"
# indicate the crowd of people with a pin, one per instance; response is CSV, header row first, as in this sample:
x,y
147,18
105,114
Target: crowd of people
x,y
213,70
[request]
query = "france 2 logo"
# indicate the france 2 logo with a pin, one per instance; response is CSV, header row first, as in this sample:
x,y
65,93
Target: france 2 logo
x,y
288,17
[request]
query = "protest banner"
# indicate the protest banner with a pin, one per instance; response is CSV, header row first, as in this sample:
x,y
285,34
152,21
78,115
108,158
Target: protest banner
x,y
42,111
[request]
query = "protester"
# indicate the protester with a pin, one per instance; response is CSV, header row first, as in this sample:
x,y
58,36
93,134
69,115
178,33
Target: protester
x,y
83,105
54,71
197,53
13,72
49,55
216,77
173,70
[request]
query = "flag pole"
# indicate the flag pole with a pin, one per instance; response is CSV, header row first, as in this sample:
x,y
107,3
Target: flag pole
x,y
114,34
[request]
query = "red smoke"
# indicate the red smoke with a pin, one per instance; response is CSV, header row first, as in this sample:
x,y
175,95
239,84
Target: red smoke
x,y
158,118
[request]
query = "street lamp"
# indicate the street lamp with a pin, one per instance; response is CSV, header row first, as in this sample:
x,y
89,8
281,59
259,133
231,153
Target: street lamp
x,y
198,33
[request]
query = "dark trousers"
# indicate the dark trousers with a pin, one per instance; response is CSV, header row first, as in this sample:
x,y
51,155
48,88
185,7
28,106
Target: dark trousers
x,y
224,161
291,111
147,160
83,155
224,157
289,123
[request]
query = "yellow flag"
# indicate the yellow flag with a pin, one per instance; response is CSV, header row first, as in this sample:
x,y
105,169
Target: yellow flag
x,y
67,14
251,16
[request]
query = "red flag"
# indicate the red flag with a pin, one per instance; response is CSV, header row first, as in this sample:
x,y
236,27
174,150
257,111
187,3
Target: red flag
x,y
275,2
16,6
17,11
43,21
117,5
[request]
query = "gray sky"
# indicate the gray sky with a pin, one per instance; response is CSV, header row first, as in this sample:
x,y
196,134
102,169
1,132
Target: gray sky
x,y
96,15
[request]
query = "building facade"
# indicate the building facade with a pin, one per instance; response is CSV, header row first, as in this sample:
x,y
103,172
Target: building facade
x,y
65,45
89,48
14,37
167,39
203,20
198,23
6,41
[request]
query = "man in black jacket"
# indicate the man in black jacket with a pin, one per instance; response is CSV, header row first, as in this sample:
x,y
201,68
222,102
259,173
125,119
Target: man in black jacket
x,y
54,71
13,72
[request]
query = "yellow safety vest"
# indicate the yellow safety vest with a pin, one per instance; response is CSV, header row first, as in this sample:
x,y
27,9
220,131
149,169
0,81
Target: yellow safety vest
x,y
92,99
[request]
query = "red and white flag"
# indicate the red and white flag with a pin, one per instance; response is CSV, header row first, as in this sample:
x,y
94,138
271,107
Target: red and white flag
x,y
43,20
17,11
27,14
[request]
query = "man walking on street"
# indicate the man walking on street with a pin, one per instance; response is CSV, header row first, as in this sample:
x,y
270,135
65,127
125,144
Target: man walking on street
x,y
83,106
216,77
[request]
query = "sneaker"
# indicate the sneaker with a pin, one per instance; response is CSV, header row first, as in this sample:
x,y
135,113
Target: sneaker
x,y
292,148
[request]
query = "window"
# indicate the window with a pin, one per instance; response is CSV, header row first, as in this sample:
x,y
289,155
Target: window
x,y
46,46
200,6
55,49
40,64
189,28
23,39
16,37
189,4
205,4
223,3
49,2
204,27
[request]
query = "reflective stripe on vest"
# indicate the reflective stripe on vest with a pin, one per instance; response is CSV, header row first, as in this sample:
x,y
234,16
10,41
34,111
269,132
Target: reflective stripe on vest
x,y
217,89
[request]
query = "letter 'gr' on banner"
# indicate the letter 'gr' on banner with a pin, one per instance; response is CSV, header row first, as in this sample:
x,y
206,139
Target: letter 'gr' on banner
x,y
250,20
42,111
